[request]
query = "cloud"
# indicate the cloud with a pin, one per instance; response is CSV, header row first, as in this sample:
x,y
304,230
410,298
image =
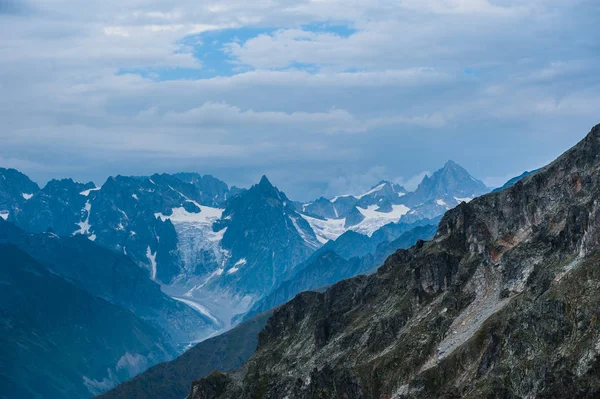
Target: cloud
x,y
313,93
223,115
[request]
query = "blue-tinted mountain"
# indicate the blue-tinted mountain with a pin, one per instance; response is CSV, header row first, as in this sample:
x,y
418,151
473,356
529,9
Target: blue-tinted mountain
x,y
388,202
264,239
171,380
212,191
59,341
329,265
121,215
445,189
452,181
58,205
383,194
167,225
392,231
112,277
15,190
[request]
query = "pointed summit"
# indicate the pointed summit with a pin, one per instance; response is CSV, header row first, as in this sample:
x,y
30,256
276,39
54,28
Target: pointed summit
x,y
450,182
452,167
451,164
264,181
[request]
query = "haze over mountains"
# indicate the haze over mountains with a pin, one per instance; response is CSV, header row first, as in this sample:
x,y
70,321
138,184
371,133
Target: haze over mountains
x,y
186,257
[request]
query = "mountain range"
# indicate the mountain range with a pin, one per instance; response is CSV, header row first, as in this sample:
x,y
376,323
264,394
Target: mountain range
x,y
184,257
502,302
217,248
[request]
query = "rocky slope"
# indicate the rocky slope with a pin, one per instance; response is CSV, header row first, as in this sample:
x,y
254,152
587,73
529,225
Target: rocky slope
x,y
503,302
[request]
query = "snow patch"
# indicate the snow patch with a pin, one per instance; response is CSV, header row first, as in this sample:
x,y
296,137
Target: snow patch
x,y
96,387
4,215
133,363
152,258
27,196
196,236
84,226
334,199
199,308
459,200
87,192
375,219
241,262
326,229
237,266
307,238
206,215
134,196
373,190
441,202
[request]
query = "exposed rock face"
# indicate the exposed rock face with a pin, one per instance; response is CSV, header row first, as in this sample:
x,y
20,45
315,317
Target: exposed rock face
x,y
503,302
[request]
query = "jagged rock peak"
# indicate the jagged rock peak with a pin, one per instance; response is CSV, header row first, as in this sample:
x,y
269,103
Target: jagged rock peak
x,y
264,181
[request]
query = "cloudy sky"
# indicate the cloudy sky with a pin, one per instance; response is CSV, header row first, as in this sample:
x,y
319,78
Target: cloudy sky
x,y
325,97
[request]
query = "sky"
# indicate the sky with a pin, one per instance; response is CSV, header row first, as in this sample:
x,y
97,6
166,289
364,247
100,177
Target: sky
x,y
325,97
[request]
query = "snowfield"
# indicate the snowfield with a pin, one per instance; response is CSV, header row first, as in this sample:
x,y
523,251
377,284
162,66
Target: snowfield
x,y
328,229
196,236
375,220
331,229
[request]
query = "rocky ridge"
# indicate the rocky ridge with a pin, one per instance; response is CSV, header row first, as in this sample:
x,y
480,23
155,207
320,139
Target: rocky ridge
x,y
501,303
